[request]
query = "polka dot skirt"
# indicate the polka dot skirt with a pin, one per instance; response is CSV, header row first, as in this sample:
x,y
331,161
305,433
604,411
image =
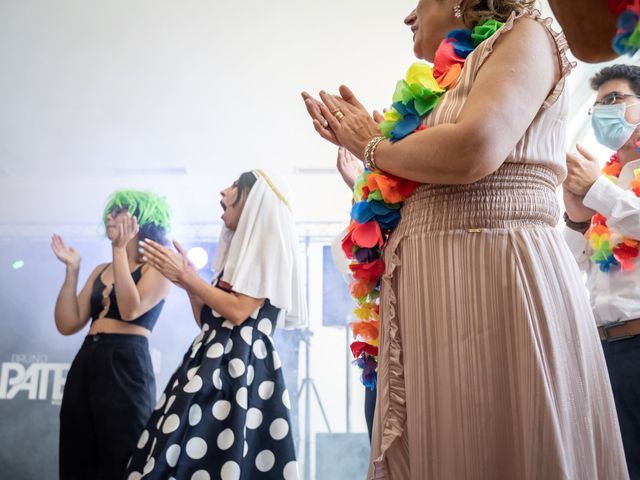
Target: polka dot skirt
x,y
225,412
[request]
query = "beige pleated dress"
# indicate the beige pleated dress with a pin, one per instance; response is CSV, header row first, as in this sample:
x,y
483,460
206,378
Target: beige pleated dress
x,y
490,365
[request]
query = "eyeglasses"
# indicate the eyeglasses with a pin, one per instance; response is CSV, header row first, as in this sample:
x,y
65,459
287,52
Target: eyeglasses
x,y
612,99
115,211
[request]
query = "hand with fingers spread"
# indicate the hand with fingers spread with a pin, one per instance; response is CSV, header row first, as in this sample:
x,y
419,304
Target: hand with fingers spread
x,y
174,265
349,167
126,229
67,255
342,120
583,171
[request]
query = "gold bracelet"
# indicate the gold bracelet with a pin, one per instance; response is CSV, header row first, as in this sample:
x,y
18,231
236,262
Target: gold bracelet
x,y
369,153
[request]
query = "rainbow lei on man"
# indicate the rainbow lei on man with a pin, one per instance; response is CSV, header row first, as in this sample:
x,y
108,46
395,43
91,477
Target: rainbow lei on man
x,y
378,196
613,251
627,38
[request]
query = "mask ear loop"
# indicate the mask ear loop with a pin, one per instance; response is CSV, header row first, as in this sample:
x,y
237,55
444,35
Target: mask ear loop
x,y
625,111
635,125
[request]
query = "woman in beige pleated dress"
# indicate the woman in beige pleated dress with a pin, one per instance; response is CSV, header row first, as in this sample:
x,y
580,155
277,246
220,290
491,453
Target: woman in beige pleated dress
x,y
490,366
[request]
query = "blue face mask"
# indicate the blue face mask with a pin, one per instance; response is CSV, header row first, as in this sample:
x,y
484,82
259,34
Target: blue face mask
x,y
611,128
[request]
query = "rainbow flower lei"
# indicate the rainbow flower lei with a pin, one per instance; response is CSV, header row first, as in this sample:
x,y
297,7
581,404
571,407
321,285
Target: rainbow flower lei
x,y
612,251
627,38
378,196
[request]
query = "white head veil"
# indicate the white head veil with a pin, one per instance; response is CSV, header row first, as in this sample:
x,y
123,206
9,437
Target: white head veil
x,y
261,258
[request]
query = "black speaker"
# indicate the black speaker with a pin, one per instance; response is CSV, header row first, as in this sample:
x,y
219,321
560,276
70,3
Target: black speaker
x,y
342,455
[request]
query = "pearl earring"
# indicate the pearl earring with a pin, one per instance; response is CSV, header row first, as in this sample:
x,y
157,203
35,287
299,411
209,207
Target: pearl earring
x,y
457,11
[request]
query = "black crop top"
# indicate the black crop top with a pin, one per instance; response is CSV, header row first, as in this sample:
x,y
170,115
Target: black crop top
x,y
146,320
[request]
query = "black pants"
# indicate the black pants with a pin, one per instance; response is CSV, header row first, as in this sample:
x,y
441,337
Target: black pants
x,y
623,363
108,398
369,408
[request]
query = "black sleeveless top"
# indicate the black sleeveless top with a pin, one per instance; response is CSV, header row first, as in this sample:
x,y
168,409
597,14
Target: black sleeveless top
x,y
146,320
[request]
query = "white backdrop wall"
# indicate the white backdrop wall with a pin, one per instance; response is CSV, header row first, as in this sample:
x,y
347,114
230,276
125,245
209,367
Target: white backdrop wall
x,y
181,97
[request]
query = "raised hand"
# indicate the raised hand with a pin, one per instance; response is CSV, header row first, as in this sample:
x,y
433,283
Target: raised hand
x,y
342,120
582,171
126,229
67,255
173,265
189,264
315,109
349,166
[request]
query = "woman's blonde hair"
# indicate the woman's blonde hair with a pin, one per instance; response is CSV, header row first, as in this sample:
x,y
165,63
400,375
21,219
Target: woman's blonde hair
x,y
475,10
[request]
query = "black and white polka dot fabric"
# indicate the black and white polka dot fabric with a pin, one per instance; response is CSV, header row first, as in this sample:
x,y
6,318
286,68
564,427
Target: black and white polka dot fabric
x,y
225,412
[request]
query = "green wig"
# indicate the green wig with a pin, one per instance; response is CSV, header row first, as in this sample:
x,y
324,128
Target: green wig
x,y
151,210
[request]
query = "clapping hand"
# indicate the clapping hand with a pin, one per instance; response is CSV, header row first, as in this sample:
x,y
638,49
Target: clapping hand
x,y
174,265
342,120
583,171
67,255
126,229
349,167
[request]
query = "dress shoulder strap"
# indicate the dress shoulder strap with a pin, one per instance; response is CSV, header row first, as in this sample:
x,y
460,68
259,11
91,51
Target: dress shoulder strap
x,y
559,43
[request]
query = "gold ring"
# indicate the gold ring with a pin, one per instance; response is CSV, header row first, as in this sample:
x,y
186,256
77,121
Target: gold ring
x,y
339,115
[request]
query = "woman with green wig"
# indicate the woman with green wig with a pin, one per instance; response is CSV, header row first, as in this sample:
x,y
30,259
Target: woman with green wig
x,y
110,388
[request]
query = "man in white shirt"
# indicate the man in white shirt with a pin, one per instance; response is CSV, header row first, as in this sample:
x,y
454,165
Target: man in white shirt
x,y
613,270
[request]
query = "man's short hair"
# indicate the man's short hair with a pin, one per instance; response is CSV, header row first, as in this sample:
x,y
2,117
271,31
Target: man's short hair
x,y
630,73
